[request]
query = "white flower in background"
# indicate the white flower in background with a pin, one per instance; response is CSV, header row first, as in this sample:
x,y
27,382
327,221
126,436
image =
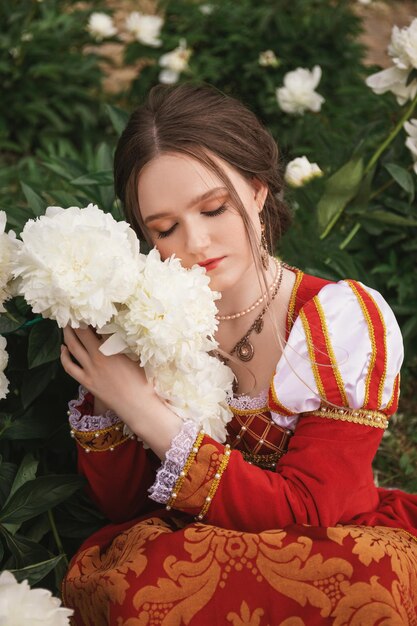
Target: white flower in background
x,y
411,141
175,62
268,59
145,28
22,606
365,2
403,51
100,26
26,37
300,171
76,265
395,80
9,247
206,9
298,93
197,388
403,46
4,383
152,323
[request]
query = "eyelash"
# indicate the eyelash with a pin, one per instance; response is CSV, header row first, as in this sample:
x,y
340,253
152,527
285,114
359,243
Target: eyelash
x,y
219,211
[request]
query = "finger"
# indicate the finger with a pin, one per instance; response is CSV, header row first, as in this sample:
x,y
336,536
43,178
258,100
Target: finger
x,y
88,338
76,348
71,368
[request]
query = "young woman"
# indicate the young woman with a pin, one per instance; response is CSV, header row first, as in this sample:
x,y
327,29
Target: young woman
x,y
282,523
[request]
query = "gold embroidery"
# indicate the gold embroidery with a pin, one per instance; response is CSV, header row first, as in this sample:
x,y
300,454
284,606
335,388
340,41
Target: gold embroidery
x,y
313,363
245,618
186,469
291,306
101,440
383,377
214,485
371,337
266,461
357,416
329,347
285,410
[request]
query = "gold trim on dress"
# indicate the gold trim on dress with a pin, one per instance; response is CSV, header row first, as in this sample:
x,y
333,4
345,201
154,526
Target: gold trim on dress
x,y
329,348
214,485
371,337
293,298
185,469
106,439
313,363
357,416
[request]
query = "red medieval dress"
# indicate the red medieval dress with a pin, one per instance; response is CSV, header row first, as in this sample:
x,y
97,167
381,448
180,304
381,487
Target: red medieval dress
x,y
283,524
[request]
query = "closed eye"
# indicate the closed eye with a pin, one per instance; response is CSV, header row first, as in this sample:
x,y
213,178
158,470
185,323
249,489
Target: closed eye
x,y
219,211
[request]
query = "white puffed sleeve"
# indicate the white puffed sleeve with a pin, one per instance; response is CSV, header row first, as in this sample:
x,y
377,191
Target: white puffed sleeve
x,y
345,350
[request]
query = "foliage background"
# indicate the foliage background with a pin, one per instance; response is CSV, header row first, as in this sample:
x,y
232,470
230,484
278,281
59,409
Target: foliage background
x,y
58,130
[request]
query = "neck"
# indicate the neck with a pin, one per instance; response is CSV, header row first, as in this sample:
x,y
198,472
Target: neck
x,y
247,290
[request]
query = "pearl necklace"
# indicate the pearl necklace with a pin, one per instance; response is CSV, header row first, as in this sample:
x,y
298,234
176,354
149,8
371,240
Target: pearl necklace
x,y
223,318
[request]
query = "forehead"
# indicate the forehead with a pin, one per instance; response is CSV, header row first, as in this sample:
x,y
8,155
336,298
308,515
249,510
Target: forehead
x,y
171,181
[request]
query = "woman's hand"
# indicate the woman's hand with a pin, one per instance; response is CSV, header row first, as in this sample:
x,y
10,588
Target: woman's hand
x,y
120,384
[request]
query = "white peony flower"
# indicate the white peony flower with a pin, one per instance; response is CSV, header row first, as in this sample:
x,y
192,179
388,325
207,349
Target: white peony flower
x,y
145,28
9,247
300,171
403,46
152,323
411,141
298,93
197,388
395,80
403,51
100,26
4,383
174,63
76,265
22,606
365,2
268,59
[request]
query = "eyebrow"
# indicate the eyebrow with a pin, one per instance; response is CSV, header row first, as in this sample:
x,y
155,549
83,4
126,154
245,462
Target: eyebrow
x,y
193,202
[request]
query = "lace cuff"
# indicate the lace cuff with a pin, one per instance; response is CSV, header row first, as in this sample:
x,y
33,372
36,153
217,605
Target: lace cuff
x,y
175,459
83,420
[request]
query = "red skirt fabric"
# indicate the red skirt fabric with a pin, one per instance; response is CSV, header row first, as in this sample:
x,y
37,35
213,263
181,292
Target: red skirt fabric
x,y
163,571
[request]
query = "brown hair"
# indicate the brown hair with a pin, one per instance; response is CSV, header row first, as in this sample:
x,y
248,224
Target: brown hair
x,y
198,119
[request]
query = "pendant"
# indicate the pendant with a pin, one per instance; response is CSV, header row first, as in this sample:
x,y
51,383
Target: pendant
x,y
245,351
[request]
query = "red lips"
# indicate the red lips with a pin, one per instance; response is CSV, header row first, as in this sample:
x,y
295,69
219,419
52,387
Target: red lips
x,y
210,264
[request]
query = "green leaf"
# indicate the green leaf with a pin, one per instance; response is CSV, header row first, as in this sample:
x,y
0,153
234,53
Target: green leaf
x,y
402,177
118,117
35,382
390,218
340,189
44,343
24,551
94,178
36,572
7,475
39,495
28,426
35,202
26,471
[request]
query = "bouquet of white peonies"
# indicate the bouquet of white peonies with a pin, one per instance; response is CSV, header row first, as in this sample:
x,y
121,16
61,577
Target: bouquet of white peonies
x,y
79,266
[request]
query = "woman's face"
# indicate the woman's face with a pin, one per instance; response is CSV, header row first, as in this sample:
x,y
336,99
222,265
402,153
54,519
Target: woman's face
x,y
187,211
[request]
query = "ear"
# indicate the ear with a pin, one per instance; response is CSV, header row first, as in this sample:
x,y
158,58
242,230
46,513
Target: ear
x,y
260,191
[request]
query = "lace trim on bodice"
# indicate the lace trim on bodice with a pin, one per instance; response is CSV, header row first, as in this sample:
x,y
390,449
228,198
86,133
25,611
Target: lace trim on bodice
x,y
248,403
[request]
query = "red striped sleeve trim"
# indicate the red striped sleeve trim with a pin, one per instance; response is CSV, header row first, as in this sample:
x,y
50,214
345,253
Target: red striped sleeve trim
x,y
375,380
326,372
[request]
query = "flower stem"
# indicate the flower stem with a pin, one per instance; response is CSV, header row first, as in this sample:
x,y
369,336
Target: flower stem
x,y
391,136
57,537
350,236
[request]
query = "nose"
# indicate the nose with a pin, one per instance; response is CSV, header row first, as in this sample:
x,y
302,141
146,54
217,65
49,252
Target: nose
x,y
197,237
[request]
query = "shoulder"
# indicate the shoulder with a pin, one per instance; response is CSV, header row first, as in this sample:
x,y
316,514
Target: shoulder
x,y
345,348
